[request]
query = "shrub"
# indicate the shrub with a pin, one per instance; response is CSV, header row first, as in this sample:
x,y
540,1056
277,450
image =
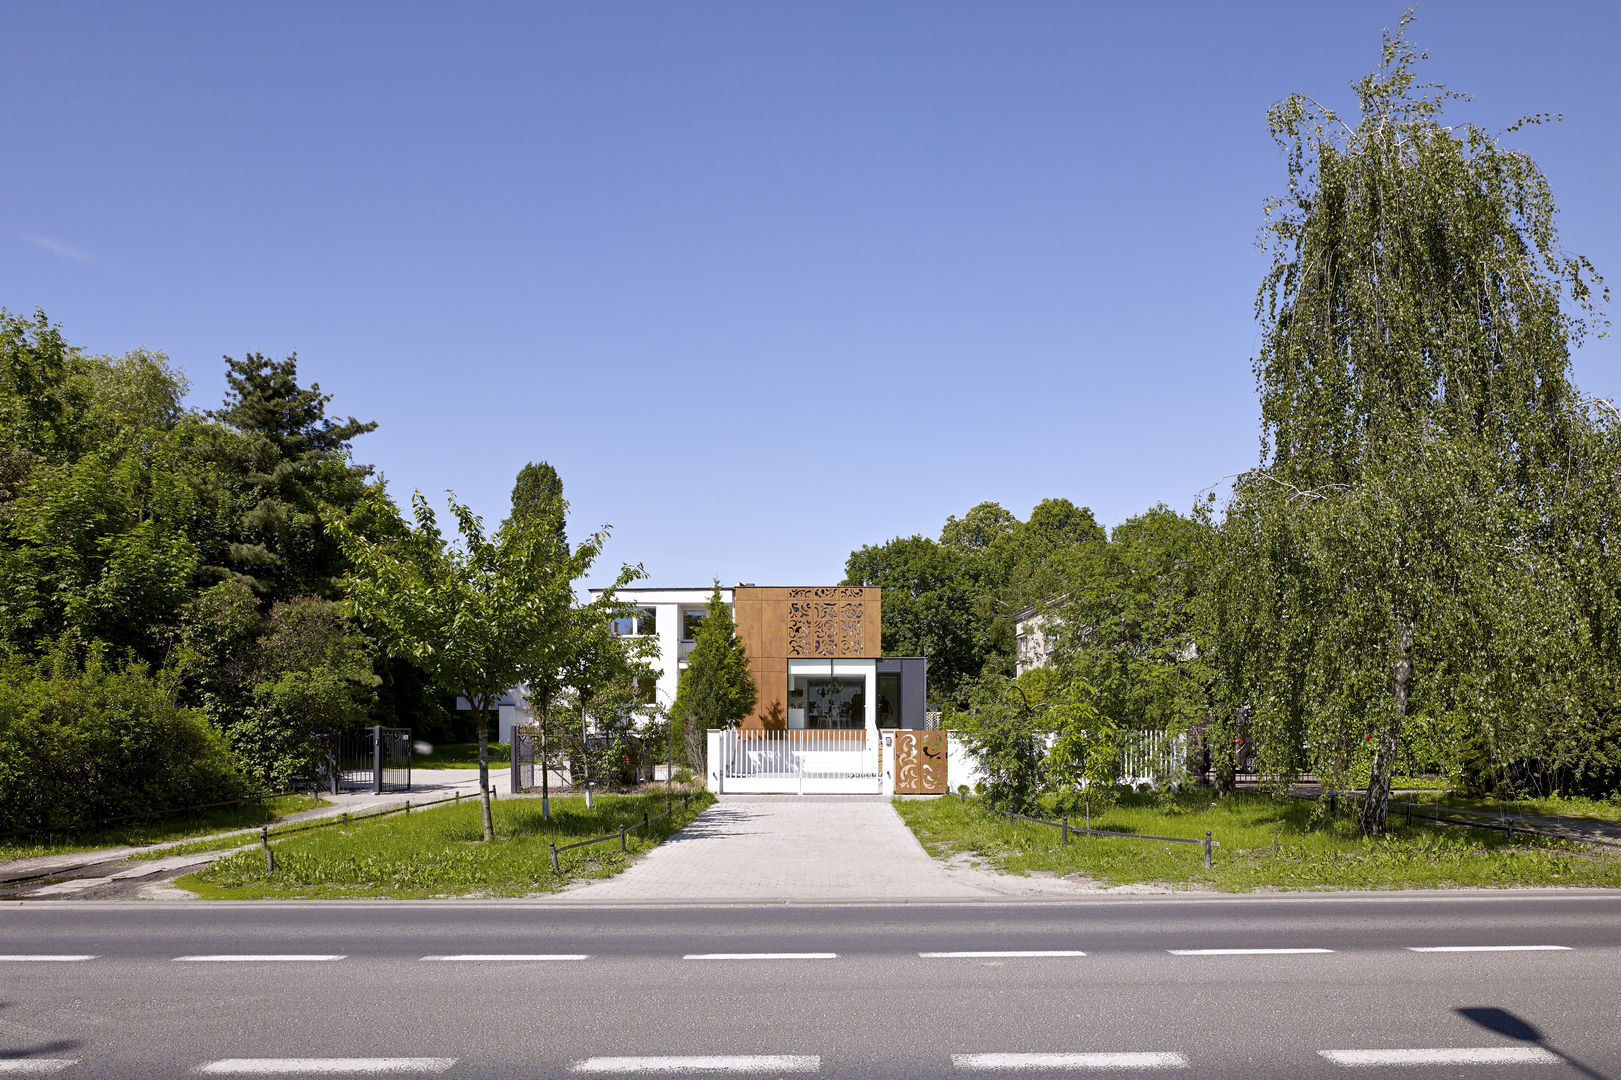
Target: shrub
x,y
82,743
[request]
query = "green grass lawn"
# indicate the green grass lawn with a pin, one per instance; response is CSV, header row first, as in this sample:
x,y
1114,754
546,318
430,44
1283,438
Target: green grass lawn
x,y
157,831
1266,843
461,755
1575,807
438,852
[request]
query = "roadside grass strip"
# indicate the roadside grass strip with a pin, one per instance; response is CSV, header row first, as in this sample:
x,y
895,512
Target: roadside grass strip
x,y
440,852
505,958
1266,843
1141,1060
46,958
35,1066
1489,948
761,956
1245,952
356,1066
999,954
259,958
733,1063
1453,1055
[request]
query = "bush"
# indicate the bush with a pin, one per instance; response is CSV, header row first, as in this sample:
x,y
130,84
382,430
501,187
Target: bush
x,y
85,743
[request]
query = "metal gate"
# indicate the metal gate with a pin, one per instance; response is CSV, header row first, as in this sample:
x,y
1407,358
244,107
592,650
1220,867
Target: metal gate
x,y
800,762
920,763
378,758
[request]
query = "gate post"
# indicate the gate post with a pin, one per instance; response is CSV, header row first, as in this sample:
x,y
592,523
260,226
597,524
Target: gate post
x,y
377,761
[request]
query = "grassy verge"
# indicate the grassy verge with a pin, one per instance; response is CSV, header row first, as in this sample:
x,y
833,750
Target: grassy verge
x,y
159,830
1573,807
460,755
438,852
1266,843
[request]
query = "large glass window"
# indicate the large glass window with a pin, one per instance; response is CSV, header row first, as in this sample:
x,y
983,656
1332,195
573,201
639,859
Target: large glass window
x,y
831,702
691,620
642,621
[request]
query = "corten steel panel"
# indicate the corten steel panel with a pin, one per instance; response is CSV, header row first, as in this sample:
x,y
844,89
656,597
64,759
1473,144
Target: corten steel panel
x,y
774,627
833,621
920,763
872,623
771,686
746,614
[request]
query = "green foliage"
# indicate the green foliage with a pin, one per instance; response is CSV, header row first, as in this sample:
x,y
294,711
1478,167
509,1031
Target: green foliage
x,y
717,688
82,742
276,685
538,492
930,608
282,460
1419,569
1009,736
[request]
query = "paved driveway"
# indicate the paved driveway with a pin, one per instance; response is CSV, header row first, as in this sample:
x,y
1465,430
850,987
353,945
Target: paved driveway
x,y
768,847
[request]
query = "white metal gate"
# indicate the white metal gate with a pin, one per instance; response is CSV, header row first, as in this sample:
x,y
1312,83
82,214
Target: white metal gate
x,y
799,762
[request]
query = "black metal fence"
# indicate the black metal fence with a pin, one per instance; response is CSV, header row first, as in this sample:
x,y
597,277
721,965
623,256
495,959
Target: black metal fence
x,y
374,758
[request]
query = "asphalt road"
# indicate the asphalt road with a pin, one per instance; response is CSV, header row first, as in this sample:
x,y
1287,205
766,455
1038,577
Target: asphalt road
x,y
465,989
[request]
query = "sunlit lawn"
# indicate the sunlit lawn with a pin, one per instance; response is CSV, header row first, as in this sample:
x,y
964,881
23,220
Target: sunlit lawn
x,y
1265,843
438,852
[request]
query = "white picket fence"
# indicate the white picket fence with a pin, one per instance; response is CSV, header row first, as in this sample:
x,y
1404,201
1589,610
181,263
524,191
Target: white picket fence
x,y
796,762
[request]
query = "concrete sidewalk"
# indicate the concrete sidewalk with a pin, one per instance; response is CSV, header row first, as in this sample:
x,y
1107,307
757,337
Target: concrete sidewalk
x,y
427,785
785,847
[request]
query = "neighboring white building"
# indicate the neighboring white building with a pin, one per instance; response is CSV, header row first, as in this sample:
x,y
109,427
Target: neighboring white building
x,y
670,617
1031,629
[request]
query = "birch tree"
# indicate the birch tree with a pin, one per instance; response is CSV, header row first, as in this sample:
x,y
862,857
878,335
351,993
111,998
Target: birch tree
x,y
1433,492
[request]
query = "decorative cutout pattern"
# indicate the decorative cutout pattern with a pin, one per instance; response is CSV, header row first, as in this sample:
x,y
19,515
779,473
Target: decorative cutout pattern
x,y
823,628
841,592
920,763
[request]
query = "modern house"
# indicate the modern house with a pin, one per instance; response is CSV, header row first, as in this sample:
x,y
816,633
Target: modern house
x,y
813,650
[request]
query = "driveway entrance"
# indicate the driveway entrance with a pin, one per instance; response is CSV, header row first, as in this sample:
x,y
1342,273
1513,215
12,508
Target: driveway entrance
x,y
754,847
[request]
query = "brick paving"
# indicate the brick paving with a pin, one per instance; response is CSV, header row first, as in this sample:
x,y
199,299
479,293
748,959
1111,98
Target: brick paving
x,y
765,847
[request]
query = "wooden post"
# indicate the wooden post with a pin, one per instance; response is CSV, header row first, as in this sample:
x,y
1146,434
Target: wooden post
x,y
621,839
1207,847
555,868
1066,828
270,854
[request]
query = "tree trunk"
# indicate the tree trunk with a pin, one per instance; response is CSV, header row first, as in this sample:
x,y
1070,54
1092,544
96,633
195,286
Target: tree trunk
x,y
484,772
585,760
545,768
1376,807
697,746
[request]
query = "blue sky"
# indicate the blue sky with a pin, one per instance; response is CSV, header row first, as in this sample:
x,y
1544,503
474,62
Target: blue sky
x,y
765,281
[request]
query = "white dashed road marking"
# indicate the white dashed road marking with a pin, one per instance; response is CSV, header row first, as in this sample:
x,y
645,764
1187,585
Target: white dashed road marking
x,y
35,1065
325,1066
259,958
505,957
1152,1060
1244,952
989,955
53,958
773,1063
1489,948
761,956
1452,1055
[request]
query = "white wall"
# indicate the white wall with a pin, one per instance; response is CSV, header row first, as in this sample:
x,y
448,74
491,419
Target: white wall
x,y
668,603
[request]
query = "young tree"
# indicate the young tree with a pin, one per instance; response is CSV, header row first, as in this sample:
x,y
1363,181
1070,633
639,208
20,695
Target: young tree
x,y
1412,527
717,689
472,615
